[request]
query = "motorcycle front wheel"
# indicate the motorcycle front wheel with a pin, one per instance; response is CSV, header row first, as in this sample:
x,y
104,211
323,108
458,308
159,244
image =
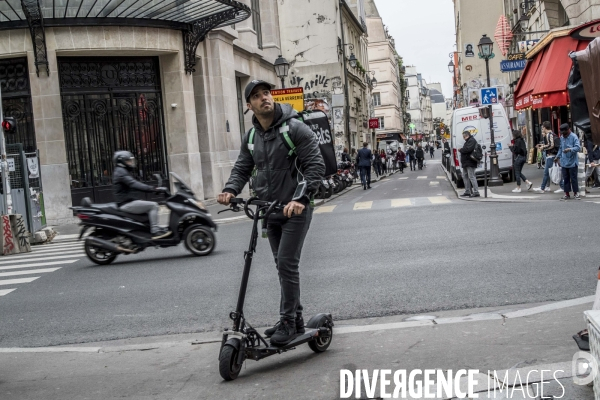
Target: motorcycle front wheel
x,y
199,240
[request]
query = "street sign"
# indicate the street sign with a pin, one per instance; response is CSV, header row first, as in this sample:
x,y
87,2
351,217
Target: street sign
x,y
489,96
374,123
508,65
292,96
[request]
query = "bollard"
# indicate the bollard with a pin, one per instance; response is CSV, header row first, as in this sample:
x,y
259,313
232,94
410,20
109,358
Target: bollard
x,y
581,174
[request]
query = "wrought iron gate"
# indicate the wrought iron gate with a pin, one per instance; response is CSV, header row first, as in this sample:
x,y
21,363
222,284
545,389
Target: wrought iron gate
x,y
111,104
16,101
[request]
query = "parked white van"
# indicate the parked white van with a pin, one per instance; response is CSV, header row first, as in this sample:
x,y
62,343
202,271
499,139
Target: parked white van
x,y
468,119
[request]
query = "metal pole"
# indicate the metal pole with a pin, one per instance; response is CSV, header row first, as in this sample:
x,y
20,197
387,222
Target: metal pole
x,y
346,87
3,165
495,179
283,82
485,180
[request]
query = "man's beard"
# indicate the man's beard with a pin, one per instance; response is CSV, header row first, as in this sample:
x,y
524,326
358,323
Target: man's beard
x,y
265,113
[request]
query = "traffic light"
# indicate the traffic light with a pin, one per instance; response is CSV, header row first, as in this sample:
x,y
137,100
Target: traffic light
x,y
9,124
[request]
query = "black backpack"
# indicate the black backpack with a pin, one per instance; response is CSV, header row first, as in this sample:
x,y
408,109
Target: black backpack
x,y
556,139
477,153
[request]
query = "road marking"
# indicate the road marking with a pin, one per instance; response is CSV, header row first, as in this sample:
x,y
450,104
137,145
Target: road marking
x,y
324,209
37,258
4,292
29,272
62,246
440,177
38,264
401,179
434,183
401,202
439,200
421,177
48,252
549,307
363,205
15,281
66,237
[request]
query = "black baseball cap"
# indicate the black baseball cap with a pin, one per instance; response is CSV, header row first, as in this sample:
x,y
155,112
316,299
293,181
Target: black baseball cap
x,y
564,128
250,87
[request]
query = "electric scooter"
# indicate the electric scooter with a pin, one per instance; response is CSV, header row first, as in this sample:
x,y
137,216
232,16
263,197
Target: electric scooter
x,y
243,341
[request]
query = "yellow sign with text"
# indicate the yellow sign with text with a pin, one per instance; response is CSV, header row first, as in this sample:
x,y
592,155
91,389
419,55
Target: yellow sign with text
x,y
292,96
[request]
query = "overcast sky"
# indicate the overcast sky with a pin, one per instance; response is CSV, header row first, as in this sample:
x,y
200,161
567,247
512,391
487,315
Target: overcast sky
x,y
424,35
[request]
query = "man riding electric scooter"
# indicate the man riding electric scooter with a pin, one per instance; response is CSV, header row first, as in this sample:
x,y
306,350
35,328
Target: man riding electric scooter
x,y
284,177
126,193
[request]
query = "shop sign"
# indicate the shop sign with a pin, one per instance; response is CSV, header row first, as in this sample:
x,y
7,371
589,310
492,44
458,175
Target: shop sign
x,y
508,65
515,56
292,96
374,123
526,45
589,31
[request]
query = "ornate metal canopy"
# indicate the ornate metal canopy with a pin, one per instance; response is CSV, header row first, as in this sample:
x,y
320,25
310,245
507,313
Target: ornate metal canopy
x,y
195,18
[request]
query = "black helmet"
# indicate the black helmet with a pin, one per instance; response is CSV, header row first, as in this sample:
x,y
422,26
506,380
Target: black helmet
x,y
121,157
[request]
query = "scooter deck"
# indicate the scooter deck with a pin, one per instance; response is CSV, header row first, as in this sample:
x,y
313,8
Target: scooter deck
x,y
305,338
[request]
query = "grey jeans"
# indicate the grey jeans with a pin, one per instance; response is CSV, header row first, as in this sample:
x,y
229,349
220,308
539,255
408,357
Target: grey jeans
x,y
143,207
470,180
286,237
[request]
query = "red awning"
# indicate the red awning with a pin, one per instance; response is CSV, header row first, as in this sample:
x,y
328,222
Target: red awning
x,y
546,85
526,83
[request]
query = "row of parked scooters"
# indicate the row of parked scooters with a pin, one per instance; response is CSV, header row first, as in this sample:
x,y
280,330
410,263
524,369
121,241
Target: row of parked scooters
x,y
345,177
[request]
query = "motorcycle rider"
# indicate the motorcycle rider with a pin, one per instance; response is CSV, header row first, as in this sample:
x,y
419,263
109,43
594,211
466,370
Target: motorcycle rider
x,y
278,176
126,193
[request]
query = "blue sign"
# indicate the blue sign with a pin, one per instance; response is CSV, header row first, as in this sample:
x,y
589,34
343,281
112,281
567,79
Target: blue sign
x,y
508,65
489,96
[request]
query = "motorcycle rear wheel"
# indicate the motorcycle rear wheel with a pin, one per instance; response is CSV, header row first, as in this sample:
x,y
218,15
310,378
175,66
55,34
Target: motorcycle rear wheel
x,y
98,255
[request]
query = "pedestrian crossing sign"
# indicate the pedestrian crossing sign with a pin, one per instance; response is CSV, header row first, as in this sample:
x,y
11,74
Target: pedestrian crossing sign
x,y
489,96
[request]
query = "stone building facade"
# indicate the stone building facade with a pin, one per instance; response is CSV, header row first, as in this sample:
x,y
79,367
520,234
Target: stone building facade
x,y
138,88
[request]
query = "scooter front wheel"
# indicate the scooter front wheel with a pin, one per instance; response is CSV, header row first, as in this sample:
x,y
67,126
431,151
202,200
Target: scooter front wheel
x,y
228,366
199,240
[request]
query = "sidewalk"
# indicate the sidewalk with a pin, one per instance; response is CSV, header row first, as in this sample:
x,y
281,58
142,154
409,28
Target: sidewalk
x,y
535,175
515,341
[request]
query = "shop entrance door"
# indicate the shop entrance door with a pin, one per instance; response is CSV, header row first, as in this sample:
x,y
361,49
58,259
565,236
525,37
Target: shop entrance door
x,y
111,104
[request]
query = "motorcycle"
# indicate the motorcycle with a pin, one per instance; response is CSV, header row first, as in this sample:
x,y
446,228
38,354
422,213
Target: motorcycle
x,y
115,232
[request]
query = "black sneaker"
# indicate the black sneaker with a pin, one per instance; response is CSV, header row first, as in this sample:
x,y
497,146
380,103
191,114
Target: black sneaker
x,y
565,197
577,197
596,186
475,195
299,327
286,332
466,194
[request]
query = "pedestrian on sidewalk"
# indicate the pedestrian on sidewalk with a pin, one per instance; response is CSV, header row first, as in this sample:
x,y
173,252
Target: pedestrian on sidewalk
x,y
383,162
363,160
400,159
469,165
346,156
552,143
412,158
520,152
594,157
568,159
431,150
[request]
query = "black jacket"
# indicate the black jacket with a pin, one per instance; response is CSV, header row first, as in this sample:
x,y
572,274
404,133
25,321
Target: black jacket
x,y
519,149
420,153
363,158
126,188
465,153
277,176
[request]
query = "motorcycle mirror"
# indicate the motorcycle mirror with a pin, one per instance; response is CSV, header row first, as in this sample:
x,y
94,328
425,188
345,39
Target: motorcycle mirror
x,y
159,179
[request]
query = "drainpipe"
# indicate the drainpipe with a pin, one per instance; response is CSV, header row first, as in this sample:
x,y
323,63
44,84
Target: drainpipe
x,y
346,97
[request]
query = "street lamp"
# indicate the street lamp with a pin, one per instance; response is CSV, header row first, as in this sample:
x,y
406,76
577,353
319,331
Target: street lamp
x,y
352,60
282,67
486,52
451,67
373,82
524,22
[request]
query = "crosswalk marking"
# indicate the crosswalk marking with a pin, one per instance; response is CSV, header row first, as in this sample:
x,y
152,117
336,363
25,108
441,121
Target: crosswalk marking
x,y
4,292
440,177
434,183
75,250
13,260
421,177
401,202
43,264
401,179
439,200
363,205
62,246
29,272
15,281
324,209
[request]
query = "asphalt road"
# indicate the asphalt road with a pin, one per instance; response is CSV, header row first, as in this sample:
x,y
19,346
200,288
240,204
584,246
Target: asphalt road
x,y
405,246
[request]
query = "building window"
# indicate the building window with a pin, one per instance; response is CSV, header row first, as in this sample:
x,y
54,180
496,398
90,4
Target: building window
x,y
256,24
241,103
376,99
381,122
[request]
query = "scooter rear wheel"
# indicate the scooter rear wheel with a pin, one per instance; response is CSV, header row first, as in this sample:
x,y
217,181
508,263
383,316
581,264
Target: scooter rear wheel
x,y
199,240
98,255
320,344
228,366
